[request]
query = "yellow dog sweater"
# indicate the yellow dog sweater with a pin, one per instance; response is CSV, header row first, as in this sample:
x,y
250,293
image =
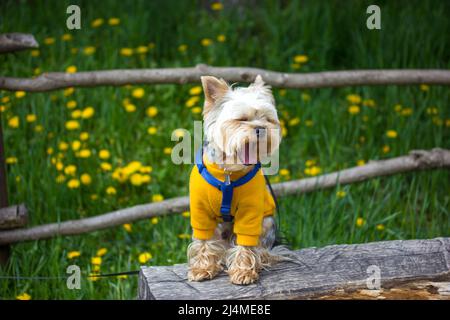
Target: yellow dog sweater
x,y
251,202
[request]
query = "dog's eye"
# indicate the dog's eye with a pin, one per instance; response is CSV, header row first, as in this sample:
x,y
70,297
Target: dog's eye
x,y
243,119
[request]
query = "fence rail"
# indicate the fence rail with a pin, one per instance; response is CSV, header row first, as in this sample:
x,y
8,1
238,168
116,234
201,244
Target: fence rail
x,y
58,80
416,160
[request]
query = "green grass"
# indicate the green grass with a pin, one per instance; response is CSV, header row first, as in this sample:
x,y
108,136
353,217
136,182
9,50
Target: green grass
x,y
334,37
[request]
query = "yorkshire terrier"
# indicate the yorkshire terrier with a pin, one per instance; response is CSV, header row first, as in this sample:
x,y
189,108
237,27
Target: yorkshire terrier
x,y
231,207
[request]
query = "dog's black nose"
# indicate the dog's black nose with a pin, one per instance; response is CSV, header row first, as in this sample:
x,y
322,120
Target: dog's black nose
x,y
259,131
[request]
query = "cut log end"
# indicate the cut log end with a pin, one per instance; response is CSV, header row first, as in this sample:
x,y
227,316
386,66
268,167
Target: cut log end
x,y
411,269
12,217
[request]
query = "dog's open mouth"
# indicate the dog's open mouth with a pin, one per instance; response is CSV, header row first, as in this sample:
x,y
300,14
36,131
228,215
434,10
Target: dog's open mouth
x,y
245,155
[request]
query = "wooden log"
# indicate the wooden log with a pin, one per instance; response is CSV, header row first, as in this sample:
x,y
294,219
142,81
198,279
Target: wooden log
x,y
12,42
336,271
330,79
13,217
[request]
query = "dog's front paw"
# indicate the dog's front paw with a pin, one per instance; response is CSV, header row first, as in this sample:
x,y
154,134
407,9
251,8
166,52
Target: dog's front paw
x,y
243,265
200,274
205,259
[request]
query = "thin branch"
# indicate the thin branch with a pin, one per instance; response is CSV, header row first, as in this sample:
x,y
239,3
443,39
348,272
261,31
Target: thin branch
x,y
12,42
58,80
416,160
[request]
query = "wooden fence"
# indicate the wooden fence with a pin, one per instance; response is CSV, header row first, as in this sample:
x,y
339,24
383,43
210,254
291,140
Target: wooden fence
x,y
14,218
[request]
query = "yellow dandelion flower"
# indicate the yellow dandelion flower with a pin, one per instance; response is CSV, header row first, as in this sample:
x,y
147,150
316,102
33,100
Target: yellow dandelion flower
x,y
167,150
354,98
192,101
70,170
11,160
87,113
84,153
309,123
179,133
310,163
152,111
97,22
96,261
104,154
194,91
127,227
31,118
196,110
306,97
284,131
14,122
313,171
105,166
76,145
154,220
391,134
71,69
111,191
63,146
49,41
59,165
76,114
152,130
216,6
101,252
157,198
84,136
146,178
113,21
86,179
142,49
294,121
73,183
126,52
386,149
146,169
221,38
284,172
353,109
182,48
138,93
130,107
60,178
136,179
341,194
66,37
37,71
35,53
144,257
87,51
69,91
206,42
94,197
360,222
360,162
20,94
23,296
5,99
71,104
186,214
72,125
50,150
74,50
73,254
406,112
369,103
184,236
447,123
380,227
295,66
39,128
301,58
398,108
424,87
432,110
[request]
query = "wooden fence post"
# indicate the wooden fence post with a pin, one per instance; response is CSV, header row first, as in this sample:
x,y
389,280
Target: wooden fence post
x,y
4,249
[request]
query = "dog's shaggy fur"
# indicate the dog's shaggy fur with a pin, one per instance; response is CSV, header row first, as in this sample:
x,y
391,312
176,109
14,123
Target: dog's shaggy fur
x,y
231,116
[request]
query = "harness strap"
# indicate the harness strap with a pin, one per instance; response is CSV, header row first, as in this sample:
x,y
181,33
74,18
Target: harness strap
x,y
226,187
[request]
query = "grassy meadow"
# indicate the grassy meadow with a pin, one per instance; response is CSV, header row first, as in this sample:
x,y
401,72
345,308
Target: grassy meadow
x,y
81,152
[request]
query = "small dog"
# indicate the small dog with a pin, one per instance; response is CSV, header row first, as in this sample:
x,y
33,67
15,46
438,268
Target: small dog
x,y
231,206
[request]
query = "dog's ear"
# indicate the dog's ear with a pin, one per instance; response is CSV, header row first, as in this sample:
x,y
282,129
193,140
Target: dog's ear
x,y
214,89
258,81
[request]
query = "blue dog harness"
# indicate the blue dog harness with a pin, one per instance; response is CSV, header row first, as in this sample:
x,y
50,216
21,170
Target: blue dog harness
x,y
226,187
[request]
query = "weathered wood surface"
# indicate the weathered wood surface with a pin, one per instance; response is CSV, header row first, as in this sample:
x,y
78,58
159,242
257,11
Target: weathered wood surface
x,y
15,216
332,272
12,42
